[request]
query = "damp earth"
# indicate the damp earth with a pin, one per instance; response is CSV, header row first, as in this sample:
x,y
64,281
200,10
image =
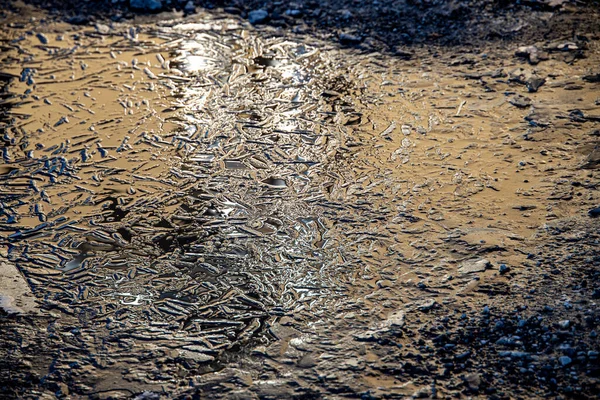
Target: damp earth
x,y
311,200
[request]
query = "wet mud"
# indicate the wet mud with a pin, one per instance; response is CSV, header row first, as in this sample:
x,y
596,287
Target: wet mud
x,y
202,207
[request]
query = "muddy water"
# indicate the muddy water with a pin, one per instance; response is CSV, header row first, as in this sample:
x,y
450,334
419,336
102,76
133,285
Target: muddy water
x,y
165,183
179,191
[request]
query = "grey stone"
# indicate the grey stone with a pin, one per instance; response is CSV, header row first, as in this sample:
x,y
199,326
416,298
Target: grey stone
x,y
146,5
307,361
42,38
514,354
564,360
368,336
147,395
504,341
422,393
196,356
396,319
426,305
384,283
348,38
532,53
293,13
15,295
564,324
257,16
474,266
473,381
534,83
190,7
102,29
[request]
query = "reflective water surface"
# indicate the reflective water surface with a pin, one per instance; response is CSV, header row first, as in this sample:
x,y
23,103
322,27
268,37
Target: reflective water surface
x,y
177,193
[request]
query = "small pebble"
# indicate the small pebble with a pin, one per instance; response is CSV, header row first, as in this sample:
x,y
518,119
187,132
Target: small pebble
x,y
42,38
257,16
565,360
564,324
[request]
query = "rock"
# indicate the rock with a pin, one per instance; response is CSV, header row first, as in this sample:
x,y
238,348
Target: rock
x,y
232,10
79,20
149,73
473,381
293,13
503,269
63,389
147,395
189,7
573,87
352,364
594,212
257,16
42,38
368,336
537,119
563,46
286,321
384,283
555,3
564,324
506,341
307,361
401,52
243,394
102,29
474,266
395,319
237,376
525,207
146,5
534,83
426,305
593,78
196,356
300,343
532,53
520,101
514,354
565,360
422,393
259,351
347,38
393,322
593,159
15,295
197,348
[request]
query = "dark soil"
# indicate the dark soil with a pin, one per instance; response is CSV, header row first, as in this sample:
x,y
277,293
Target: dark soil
x,y
388,26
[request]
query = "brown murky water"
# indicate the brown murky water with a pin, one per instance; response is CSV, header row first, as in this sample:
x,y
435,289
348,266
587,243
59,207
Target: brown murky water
x,y
180,192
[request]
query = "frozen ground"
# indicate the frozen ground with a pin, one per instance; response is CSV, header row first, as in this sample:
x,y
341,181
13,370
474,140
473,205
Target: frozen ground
x,y
204,207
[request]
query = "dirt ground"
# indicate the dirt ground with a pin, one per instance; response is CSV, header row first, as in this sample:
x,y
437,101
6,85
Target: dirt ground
x,y
337,200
